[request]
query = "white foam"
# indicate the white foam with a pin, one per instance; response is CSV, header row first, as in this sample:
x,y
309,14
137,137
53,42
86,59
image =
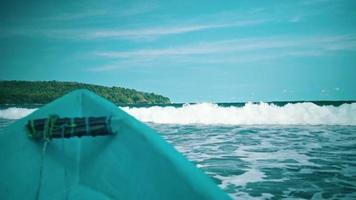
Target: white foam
x,y
15,113
261,113
251,176
250,114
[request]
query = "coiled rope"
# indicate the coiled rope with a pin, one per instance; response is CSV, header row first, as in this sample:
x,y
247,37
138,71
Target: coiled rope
x,y
47,136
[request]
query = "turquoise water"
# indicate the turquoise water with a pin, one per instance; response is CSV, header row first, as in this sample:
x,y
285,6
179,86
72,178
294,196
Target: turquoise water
x,y
259,151
272,162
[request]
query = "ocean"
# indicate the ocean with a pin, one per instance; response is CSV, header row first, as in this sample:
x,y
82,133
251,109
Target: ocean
x,y
280,150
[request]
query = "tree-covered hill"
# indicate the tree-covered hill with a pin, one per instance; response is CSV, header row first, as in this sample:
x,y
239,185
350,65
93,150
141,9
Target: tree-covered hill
x,y
40,92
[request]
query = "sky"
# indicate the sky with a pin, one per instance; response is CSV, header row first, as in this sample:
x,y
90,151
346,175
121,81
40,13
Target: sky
x,y
189,51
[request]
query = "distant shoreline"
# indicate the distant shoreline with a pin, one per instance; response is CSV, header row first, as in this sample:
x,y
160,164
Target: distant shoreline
x,y
42,92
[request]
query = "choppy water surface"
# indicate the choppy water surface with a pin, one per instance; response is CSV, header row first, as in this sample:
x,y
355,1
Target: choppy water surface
x,y
305,150
272,162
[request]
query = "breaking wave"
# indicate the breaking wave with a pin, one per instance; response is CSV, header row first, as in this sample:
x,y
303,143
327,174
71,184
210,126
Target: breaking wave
x,y
15,113
249,114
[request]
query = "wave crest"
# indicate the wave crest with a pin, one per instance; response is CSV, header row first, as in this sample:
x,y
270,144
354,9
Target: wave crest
x,y
15,113
249,114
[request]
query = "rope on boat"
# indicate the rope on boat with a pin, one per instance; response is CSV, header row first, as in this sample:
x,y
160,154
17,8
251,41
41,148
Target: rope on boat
x,y
65,168
41,169
54,127
48,128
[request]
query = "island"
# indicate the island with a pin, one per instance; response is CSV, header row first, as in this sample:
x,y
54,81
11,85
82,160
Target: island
x,y
41,92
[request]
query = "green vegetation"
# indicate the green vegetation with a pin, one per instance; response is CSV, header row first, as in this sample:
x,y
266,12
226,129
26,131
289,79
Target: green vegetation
x,y
40,92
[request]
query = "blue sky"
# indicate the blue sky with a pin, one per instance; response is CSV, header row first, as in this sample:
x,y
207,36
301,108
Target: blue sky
x,y
190,51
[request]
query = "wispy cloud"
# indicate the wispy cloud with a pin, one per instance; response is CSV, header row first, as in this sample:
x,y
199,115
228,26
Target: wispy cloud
x,y
137,9
140,33
142,29
312,45
112,12
165,30
67,16
295,19
92,10
234,51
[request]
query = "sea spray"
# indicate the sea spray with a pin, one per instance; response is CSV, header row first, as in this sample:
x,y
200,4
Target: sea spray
x,y
249,114
305,113
15,113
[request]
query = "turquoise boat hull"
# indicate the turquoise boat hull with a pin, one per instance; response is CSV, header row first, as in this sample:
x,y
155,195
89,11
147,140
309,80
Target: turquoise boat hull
x,y
136,163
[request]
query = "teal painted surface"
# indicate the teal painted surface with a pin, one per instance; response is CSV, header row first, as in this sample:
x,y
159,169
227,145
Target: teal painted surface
x,y
136,163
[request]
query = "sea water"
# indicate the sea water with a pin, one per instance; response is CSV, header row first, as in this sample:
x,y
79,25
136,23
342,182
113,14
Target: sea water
x,y
259,151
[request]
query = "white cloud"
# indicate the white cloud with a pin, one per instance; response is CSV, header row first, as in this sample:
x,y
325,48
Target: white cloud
x,y
233,51
300,46
104,68
154,32
167,27
75,16
143,33
295,19
137,9
102,10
